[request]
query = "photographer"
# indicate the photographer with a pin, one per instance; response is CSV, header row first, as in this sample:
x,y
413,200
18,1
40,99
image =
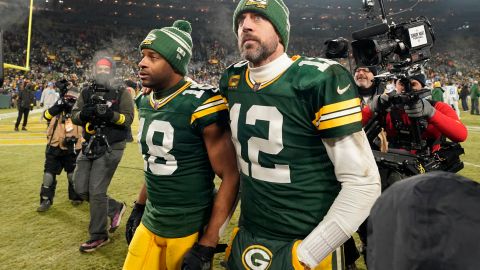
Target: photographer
x,y
105,110
436,119
64,144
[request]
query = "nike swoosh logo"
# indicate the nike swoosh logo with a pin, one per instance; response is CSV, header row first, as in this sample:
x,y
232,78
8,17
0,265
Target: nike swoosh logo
x,y
343,90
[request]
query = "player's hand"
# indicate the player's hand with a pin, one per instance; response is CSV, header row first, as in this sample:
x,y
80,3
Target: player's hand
x,y
134,221
87,113
199,257
146,90
421,108
31,106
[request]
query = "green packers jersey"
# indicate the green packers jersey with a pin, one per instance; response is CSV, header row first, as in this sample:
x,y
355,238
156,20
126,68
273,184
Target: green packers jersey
x,y
288,181
178,173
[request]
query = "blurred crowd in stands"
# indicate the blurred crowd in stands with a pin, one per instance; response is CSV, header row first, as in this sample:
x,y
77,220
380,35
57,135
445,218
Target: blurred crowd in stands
x,y
62,51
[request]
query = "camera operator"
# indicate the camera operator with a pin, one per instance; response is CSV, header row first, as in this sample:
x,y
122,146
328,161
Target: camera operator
x,y
368,87
64,144
441,119
105,110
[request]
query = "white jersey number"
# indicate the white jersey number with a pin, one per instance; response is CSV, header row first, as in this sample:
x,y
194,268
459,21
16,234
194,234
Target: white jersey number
x,y
159,151
273,144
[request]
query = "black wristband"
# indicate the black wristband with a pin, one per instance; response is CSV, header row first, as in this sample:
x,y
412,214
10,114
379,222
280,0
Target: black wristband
x,y
138,206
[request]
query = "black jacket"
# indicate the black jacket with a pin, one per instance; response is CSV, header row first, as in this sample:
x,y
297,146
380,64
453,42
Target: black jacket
x,y
120,101
25,98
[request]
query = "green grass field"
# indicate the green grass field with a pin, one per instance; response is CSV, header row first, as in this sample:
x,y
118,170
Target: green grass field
x,y
50,240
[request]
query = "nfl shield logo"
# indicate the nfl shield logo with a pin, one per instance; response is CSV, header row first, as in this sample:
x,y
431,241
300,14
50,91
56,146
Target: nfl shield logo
x,y
257,3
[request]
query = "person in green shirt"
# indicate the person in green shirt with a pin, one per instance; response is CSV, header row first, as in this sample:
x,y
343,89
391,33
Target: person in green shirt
x,y
474,95
437,92
185,141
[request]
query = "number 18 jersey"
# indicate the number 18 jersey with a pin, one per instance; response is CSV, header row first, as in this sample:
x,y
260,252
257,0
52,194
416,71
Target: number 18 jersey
x,y
178,174
288,181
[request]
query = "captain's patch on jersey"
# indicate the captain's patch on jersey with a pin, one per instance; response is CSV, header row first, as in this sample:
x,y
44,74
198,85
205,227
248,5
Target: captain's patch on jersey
x,y
233,81
257,3
257,257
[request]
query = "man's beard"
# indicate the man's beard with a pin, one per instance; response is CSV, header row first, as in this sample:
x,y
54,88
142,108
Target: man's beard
x,y
364,83
103,79
259,53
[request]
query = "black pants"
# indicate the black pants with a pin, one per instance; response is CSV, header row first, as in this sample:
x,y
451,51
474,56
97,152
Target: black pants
x,y
464,104
24,112
474,109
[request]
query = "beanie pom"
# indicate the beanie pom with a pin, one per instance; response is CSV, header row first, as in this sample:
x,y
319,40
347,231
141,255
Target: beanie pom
x,y
183,25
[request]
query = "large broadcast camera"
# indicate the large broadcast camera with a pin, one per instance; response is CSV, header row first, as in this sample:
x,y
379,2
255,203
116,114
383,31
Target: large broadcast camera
x,y
96,146
402,50
401,45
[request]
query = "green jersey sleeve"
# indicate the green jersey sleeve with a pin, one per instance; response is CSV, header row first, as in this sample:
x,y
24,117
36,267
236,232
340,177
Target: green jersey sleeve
x,y
333,97
211,107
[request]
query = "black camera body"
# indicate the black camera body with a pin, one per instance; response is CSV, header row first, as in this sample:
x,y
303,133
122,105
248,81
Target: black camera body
x,y
400,45
100,103
97,144
62,85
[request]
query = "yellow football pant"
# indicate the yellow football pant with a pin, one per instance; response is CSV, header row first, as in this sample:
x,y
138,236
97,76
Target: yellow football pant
x,y
149,251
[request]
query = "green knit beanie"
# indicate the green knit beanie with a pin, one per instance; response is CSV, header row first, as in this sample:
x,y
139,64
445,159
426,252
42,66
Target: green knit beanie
x,y
173,43
274,10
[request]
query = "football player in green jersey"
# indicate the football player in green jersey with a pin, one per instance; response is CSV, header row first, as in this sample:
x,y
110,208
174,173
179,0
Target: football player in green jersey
x,y
308,175
185,140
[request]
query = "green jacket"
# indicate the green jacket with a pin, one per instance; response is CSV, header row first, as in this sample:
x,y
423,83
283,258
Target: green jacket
x,y
437,94
474,93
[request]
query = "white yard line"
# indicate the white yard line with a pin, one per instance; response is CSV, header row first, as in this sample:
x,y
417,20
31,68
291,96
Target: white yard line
x,y
471,164
15,114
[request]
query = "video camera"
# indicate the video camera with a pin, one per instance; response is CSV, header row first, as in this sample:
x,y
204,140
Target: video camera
x,y
100,104
400,45
98,143
62,86
402,49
